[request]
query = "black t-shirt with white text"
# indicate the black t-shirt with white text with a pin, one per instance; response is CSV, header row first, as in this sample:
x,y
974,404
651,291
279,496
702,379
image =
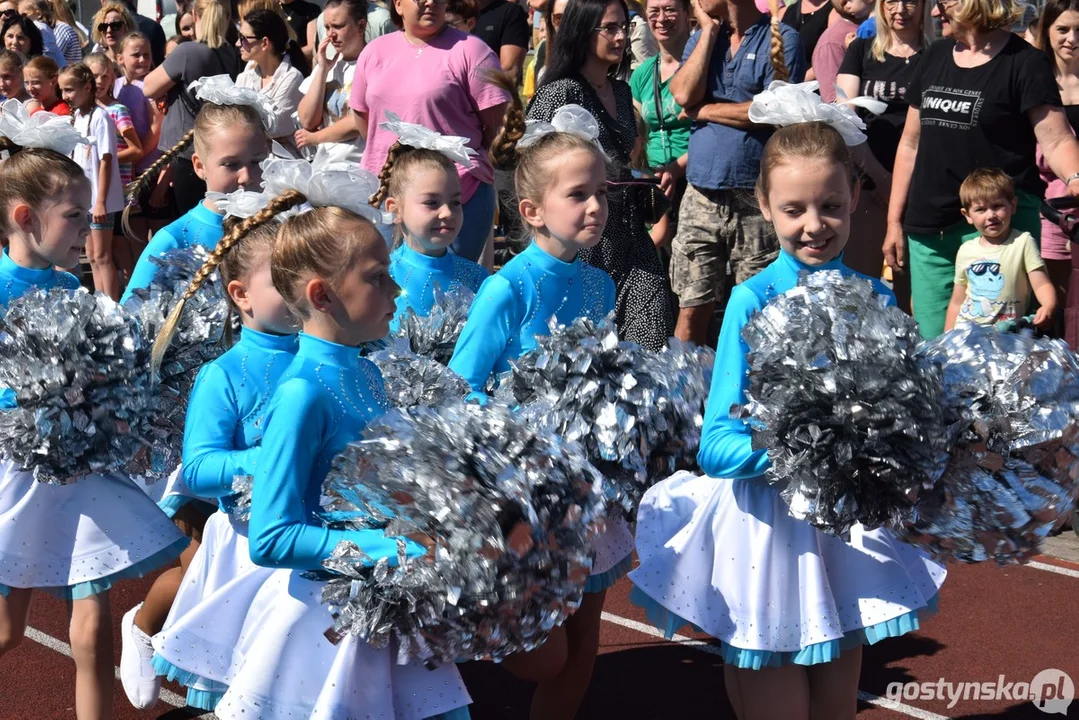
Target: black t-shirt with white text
x,y
885,80
973,118
503,23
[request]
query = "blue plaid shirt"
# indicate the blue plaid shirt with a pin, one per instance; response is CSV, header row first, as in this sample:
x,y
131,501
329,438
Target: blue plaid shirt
x,y
726,158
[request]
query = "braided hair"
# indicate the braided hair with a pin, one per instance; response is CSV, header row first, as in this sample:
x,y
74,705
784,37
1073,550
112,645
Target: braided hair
x,y
285,201
779,59
504,147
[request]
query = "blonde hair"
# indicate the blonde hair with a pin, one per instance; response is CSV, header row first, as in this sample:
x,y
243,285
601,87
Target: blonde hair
x,y
986,184
62,13
84,76
987,14
779,59
211,118
33,176
811,141
214,17
279,204
99,17
886,36
323,243
43,64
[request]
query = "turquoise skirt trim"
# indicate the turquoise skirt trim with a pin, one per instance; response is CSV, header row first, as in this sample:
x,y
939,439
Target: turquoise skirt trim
x,y
201,699
604,580
171,505
83,590
4,590
815,654
455,714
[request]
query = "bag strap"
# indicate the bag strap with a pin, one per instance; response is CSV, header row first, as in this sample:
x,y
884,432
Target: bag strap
x,y
657,94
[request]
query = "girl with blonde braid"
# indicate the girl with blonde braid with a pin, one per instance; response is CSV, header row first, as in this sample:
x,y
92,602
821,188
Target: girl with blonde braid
x,y
227,409
265,633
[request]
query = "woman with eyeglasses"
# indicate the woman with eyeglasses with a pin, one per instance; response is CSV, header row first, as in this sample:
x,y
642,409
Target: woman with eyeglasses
x,y
667,144
588,56
434,75
109,26
982,98
881,67
211,54
275,66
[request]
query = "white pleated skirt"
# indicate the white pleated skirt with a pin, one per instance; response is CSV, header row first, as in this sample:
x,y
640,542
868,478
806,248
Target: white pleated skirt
x,y
726,557
77,540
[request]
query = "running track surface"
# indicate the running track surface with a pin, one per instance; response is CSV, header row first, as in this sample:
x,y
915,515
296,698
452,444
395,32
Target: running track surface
x,y
1014,621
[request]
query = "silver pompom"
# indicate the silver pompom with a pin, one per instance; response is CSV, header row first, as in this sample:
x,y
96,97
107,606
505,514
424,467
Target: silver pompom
x,y
623,403
1012,404
435,335
413,379
851,420
198,341
239,503
76,365
512,511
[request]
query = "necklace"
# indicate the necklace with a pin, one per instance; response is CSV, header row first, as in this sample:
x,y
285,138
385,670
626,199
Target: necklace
x,y
420,46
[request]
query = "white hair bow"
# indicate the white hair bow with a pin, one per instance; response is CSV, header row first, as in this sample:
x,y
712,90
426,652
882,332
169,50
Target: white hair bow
x,y
41,130
785,104
222,90
330,179
452,146
572,119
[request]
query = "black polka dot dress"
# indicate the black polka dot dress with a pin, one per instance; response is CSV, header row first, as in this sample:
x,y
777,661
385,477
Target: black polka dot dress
x,y
642,308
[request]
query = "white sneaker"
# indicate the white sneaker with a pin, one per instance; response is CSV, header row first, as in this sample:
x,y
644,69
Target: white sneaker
x,y
141,684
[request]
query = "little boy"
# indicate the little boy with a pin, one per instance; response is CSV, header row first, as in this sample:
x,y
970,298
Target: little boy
x,y
994,273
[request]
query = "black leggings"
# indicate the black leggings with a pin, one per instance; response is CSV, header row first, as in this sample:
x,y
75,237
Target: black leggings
x,y
188,189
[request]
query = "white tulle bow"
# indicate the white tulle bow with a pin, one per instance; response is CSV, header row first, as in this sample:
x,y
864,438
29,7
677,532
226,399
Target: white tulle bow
x,y
572,119
452,146
222,90
42,130
330,179
785,104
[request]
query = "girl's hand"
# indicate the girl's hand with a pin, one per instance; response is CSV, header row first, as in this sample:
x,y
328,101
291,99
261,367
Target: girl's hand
x,y
427,541
1044,316
895,248
99,216
305,138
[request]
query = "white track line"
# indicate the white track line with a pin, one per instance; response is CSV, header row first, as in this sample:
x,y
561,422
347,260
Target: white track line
x,y
703,646
63,648
1053,569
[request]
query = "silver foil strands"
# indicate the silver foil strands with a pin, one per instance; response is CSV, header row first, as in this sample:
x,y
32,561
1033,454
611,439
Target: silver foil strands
x,y
851,420
513,512
435,335
239,503
637,413
1012,404
77,365
413,379
198,340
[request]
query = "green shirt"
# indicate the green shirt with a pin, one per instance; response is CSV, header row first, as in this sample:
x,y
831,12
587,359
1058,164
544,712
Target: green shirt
x,y
672,142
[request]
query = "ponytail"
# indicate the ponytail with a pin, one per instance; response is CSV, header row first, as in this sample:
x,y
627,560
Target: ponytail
x,y
285,201
779,59
504,147
384,175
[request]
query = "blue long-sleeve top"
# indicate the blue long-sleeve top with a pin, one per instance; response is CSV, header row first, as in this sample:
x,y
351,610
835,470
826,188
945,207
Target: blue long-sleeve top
x,y
418,274
516,304
726,448
226,413
323,401
198,226
16,281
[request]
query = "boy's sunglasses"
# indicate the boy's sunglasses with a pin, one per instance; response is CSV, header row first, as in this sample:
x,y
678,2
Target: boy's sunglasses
x,y
114,26
982,268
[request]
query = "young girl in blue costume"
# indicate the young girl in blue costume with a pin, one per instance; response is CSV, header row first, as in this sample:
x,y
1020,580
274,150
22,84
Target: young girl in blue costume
x,y
421,189
226,415
264,633
561,182
75,540
790,605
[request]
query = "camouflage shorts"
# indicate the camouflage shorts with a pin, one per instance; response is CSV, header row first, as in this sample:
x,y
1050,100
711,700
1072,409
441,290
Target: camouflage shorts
x,y
717,227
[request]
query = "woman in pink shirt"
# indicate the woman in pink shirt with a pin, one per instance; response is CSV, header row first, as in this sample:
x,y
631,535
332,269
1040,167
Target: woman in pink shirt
x,y
434,75
828,55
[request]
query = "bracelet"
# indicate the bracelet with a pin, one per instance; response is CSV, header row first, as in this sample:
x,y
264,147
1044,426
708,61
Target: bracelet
x,y
1072,178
